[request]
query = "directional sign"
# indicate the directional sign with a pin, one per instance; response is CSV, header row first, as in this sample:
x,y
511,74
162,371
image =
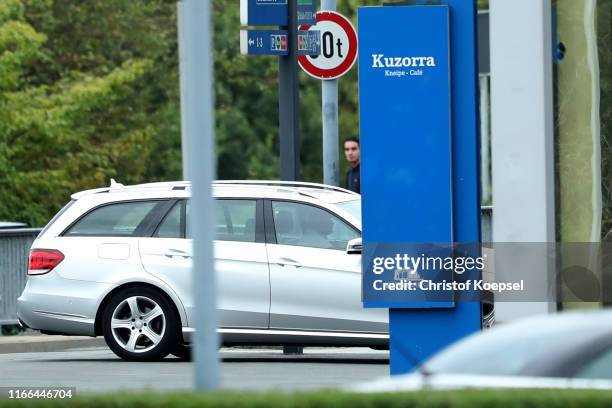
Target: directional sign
x,y
275,12
264,42
338,47
309,42
307,12
275,42
263,12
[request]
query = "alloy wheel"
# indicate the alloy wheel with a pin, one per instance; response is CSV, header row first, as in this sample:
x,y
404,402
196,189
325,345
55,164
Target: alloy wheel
x,y
138,324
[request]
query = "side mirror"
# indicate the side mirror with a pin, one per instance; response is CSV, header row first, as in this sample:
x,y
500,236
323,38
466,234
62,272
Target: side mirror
x,y
354,247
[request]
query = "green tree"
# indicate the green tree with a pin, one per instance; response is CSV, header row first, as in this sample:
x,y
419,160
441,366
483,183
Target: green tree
x,y
61,130
89,90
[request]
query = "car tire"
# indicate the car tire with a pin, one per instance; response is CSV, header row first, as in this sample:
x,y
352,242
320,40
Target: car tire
x,y
140,324
182,351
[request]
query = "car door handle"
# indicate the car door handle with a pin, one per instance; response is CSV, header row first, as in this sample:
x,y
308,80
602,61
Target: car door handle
x,y
176,253
288,262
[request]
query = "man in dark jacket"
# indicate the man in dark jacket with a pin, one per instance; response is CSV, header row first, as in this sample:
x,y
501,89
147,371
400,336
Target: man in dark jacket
x,y
352,153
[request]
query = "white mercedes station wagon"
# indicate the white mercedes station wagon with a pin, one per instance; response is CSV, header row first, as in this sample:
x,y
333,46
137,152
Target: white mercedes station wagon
x,y
116,262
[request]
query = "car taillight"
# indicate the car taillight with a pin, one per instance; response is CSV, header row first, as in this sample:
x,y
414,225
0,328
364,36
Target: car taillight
x,y
43,261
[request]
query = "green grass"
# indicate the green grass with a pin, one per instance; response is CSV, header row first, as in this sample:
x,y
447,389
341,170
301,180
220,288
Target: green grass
x,y
423,399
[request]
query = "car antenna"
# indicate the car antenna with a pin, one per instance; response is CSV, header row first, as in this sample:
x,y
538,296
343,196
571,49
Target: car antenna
x,y
114,184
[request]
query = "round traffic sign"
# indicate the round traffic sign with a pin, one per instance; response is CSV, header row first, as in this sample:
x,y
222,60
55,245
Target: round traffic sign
x,y
338,47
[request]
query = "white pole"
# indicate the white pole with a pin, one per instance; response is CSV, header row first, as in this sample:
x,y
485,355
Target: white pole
x,y
329,106
485,137
522,119
198,108
182,81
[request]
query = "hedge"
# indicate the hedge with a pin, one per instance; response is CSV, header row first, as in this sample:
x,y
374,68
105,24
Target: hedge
x,y
422,399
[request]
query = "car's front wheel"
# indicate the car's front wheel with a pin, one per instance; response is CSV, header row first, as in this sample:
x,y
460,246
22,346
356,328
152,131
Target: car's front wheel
x,y
140,325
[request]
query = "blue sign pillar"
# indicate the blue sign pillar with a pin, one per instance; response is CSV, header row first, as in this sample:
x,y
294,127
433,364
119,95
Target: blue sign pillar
x,y
420,168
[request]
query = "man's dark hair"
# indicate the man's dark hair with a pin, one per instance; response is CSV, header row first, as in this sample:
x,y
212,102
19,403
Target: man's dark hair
x,y
352,139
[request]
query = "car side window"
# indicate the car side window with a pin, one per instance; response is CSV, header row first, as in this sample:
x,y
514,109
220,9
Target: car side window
x,y
306,225
599,368
118,219
171,226
234,220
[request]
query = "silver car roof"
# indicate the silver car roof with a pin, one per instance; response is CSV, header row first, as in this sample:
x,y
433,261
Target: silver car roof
x,y
228,188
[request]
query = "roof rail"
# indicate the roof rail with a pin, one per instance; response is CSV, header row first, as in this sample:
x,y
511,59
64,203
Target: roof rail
x,y
173,184
285,184
159,184
181,185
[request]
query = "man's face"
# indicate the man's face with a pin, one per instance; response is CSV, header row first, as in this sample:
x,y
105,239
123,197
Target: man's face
x,y
351,151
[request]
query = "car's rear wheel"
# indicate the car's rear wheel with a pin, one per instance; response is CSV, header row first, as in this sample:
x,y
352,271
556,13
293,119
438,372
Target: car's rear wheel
x,y
139,324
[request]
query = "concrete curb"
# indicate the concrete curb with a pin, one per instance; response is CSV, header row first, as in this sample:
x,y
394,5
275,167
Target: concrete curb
x,y
43,343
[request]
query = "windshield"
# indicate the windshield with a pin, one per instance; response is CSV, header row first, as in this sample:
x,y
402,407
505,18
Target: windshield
x,y
353,207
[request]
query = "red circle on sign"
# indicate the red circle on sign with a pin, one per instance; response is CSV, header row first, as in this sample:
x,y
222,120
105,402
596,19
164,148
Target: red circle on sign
x,y
351,57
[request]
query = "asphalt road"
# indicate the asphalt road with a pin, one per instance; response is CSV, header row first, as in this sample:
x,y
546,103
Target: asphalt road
x,y
99,370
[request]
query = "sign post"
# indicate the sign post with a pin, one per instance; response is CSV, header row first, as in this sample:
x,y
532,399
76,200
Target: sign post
x,y
338,55
288,103
329,107
287,43
420,180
